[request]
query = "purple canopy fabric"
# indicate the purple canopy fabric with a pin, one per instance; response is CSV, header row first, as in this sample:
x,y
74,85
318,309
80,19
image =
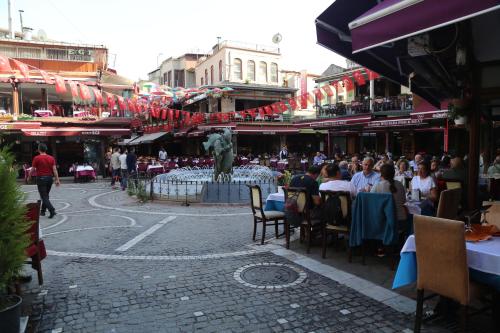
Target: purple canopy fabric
x,y
392,20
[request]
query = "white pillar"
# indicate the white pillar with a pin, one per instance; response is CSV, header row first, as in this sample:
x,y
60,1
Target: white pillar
x,y
372,94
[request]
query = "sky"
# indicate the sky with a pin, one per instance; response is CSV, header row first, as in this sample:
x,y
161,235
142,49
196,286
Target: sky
x,y
137,32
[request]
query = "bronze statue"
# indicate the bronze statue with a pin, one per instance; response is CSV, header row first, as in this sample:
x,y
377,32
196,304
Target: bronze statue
x,y
221,147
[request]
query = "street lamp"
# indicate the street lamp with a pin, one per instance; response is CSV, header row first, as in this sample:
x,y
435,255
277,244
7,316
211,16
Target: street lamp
x,y
21,17
157,59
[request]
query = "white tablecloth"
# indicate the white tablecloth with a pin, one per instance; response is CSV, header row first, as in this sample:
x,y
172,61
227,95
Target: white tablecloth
x,y
276,197
482,256
154,167
84,168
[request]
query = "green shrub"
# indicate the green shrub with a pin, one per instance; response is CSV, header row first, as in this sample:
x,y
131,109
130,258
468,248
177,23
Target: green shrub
x,y
13,222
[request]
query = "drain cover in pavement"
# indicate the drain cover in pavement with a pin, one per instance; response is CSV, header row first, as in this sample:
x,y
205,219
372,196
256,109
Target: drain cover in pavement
x,y
269,275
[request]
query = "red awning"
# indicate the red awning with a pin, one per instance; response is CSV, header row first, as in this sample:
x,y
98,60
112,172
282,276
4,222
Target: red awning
x,y
17,125
266,130
75,131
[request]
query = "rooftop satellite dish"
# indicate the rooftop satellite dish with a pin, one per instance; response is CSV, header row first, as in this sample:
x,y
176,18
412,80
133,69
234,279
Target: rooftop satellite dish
x,y
42,35
277,38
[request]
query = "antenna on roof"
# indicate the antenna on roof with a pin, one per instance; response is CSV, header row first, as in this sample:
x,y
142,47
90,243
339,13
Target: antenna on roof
x,y
277,39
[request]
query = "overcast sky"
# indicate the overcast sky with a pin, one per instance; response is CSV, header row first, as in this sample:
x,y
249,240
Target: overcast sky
x,y
136,32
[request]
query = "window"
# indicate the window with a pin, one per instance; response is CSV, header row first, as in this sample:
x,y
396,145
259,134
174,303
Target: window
x,y
263,71
237,69
206,76
169,79
220,70
57,54
274,72
179,78
251,70
212,74
201,81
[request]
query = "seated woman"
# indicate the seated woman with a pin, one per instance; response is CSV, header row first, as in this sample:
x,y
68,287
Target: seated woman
x,y
387,184
428,189
402,169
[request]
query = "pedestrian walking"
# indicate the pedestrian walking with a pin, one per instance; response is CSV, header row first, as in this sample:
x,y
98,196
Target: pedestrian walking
x,y
123,169
132,165
115,166
46,171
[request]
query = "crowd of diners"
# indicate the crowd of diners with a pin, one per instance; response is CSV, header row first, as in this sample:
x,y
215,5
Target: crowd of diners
x,y
423,175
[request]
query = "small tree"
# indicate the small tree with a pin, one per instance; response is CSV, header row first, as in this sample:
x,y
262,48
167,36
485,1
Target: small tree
x,y
13,223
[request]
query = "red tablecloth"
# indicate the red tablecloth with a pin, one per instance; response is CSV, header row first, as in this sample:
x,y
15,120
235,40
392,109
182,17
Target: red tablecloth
x,y
85,173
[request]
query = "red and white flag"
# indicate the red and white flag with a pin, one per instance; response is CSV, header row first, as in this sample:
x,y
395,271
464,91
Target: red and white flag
x,y
97,95
293,103
5,64
360,79
110,98
348,84
85,92
49,80
60,84
371,74
328,90
72,86
121,103
22,67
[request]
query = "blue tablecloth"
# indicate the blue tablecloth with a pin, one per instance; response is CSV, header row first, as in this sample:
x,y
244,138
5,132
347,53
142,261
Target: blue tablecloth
x,y
275,205
407,273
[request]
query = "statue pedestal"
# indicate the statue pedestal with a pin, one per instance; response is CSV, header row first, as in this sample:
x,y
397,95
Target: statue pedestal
x,y
233,192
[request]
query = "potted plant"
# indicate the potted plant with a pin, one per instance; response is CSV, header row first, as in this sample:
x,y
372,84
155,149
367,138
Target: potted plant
x,y
284,180
13,242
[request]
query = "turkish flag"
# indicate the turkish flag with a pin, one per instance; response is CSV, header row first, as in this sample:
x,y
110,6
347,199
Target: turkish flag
x,y
60,85
293,103
268,110
84,91
371,75
262,113
348,84
318,94
121,103
251,112
97,95
72,86
5,64
360,79
328,90
177,113
111,100
303,100
171,115
22,67
282,106
49,80
275,108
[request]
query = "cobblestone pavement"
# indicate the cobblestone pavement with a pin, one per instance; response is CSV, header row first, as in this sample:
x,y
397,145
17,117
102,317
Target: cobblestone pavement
x,y
115,265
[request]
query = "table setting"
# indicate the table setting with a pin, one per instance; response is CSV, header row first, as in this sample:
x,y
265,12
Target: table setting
x,y
83,171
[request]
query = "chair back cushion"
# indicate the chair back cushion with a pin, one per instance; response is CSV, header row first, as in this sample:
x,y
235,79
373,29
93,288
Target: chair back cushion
x,y
441,257
256,198
451,185
33,216
449,204
301,197
345,203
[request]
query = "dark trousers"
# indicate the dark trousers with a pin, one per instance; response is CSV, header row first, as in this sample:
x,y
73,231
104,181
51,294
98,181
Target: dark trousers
x,y
114,173
44,184
123,181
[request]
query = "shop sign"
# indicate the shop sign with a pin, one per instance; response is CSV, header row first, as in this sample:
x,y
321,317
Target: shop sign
x,y
93,132
395,122
268,132
440,114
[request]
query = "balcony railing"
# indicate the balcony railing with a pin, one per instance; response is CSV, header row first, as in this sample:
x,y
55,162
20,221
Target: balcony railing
x,y
380,104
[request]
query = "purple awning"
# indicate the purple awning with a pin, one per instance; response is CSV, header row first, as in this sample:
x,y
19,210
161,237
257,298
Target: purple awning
x,y
392,20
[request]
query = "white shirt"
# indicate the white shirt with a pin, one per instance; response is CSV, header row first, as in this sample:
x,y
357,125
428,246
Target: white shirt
x,y
123,161
338,185
424,185
162,155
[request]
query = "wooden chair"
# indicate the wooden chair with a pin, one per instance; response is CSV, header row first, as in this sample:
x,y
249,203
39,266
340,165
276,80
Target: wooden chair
x,y
338,227
309,225
36,249
449,204
266,217
442,263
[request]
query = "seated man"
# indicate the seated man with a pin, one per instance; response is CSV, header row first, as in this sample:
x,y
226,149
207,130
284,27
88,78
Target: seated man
x,y
364,180
336,183
308,181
